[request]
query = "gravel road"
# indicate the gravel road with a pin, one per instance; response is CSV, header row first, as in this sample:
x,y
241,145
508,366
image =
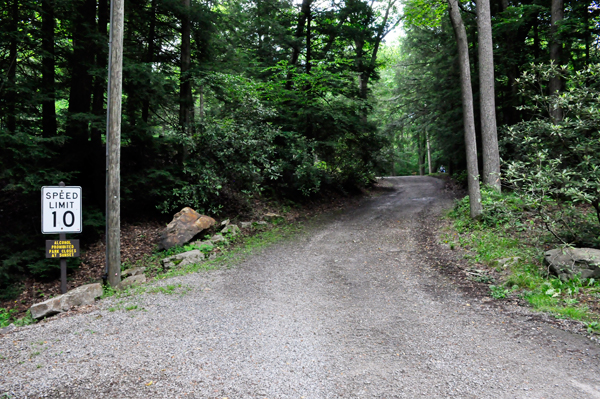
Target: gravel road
x,y
348,309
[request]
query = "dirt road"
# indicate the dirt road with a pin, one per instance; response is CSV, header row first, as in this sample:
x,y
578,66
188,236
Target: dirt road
x,y
349,309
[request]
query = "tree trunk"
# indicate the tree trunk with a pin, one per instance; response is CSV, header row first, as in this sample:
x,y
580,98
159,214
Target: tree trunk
x,y
98,152
48,103
420,157
150,56
467,103
489,133
185,87
367,70
80,94
536,39
429,155
555,85
304,13
11,89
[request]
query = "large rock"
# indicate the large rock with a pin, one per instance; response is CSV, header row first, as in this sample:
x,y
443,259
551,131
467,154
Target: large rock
x,y
84,295
565,263
186,224
217,238
136,271
184,259
231,229
131,281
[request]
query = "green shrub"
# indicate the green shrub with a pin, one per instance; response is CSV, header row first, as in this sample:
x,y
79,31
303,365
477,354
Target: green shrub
x,y
556,164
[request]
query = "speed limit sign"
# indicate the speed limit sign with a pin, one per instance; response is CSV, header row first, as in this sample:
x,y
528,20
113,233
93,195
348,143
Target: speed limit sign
x,y
61,209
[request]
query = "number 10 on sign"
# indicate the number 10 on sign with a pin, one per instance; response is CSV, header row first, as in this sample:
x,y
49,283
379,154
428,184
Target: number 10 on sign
x,y
61,209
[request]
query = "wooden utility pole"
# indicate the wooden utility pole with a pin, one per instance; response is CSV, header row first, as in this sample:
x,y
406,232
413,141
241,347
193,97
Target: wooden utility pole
x,y
113,145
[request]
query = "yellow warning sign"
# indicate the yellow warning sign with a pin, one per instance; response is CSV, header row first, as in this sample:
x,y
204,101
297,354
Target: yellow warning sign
x,y
62,248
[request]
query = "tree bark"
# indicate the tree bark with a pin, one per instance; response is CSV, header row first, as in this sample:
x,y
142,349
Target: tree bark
x,y
367,70
304,13
11,89
555,85
428,154
421,157
113,178
48,77
185,87
468,114
98,152
80,93
489,132
150,56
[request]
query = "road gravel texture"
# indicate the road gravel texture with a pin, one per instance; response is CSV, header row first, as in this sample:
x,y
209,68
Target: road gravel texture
x,y
348,309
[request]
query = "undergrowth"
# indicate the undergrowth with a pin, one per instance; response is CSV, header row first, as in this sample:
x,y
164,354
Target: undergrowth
x,y
510,239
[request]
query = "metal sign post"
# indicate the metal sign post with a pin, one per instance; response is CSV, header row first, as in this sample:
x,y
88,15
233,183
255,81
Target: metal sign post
x,y
61,213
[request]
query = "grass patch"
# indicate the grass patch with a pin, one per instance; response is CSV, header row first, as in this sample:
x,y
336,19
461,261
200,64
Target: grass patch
x,y
510,241
229,254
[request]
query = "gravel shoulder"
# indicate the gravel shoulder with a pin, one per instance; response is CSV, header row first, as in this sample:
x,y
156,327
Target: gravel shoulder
x,y
354,307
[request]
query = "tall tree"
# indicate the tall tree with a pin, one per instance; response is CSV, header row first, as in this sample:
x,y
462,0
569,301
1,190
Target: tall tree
x,y
80,92
489,133
11,89
366,67
185,86
467,105
48,73
556,50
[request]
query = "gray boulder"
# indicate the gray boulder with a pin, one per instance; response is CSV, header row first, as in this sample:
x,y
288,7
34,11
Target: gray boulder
x,y
80,296
245,225
184,259
131,281
136,271
218,238
231,229
565,263
7,329
186,224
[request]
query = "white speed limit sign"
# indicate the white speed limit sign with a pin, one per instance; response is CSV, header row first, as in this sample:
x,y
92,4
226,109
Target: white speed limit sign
x,y
61,209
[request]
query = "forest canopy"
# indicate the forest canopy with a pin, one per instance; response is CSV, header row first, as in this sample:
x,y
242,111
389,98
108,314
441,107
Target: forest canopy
x,y
222,101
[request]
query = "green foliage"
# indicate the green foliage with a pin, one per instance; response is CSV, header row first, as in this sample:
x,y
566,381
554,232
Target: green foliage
x,y
261,121
419,13
557,165
509,229
6,316
498,292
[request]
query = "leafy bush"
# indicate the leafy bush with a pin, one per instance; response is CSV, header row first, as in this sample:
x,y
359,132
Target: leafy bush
x,y
6,316
557,162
